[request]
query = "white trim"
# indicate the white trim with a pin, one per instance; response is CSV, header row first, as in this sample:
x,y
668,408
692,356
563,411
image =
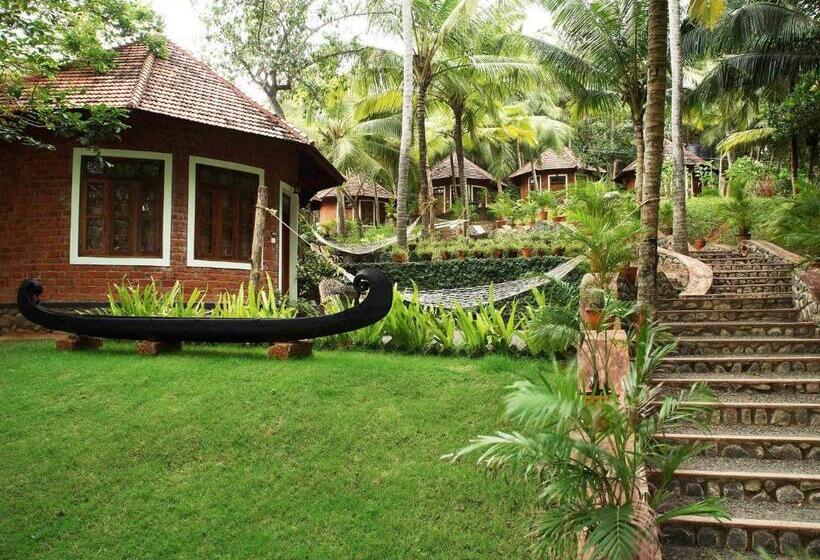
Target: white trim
x,y
192,163
74,231
293,222
550,176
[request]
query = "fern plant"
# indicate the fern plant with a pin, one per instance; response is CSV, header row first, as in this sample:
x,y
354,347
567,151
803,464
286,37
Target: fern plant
x,y
133,300
258,304
588,459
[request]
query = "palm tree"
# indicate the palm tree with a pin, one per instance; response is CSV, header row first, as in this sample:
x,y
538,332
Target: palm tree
x,y
601,59
655,105
680,238
406,122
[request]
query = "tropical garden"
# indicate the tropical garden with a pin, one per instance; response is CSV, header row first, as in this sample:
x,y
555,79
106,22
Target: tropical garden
x,y
371,448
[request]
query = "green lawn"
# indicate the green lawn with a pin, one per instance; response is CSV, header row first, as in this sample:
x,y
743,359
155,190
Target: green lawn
x,y
222,453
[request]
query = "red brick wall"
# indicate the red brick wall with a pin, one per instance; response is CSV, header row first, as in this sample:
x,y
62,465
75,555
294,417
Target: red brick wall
x,y
35,193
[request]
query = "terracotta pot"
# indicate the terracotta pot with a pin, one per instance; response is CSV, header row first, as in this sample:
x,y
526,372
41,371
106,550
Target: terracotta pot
x,y
462,254
445,255
400,258
699,244
592,317
558,219
526,252
498,253
499,224
630,273
543,215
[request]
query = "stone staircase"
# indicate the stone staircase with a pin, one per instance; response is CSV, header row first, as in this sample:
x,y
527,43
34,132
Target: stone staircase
x,y
745,341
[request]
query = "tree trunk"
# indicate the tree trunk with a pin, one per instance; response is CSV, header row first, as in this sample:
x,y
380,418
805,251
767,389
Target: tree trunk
x,y
680,238
458,132
424,181
639,157
258,241
721,177
453,183
406,123
534,179
655,103
794,154
499,186
812,141
341,218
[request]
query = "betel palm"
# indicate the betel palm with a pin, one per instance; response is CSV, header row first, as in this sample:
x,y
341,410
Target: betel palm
x,y
589,459
600,58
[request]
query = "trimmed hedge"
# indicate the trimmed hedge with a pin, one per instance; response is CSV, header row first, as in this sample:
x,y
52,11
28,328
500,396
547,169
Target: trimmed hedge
x,y
458,273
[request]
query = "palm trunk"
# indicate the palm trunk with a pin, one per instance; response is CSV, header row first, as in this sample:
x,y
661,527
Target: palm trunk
x,y
258,240
793,154
655,104
406,123
452,180
721,177
424,181
680,238
458,132
341,219
637,122
812,141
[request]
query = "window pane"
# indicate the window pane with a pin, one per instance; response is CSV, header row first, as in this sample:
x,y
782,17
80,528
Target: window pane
x,y
94,199
122,235
246,225
228,216
93,234
122,196
149,230
204,223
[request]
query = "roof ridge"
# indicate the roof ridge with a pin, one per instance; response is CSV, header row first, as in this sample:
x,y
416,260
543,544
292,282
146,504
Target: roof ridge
x,y
273,118
142,80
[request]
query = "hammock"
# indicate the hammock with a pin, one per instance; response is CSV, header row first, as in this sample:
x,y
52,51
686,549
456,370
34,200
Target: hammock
x,y
373,246
480,295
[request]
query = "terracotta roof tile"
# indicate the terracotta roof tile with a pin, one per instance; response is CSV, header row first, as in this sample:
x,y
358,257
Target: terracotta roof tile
x,y
551,160
355,187
689,158
443,170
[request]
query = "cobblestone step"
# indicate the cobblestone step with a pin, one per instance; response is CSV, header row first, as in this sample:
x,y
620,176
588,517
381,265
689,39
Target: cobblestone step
x,y
785,314
776,273
762,409
792,443
671,552
742,364
749,288
717,345
744,265
740,384
774,527
730,301
743,328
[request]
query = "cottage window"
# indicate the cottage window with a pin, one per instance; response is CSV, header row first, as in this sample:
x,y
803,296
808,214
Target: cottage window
x,y
534,183
557,182
225,205
121,207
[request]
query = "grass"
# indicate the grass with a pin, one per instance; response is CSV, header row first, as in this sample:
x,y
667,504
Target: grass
x,y
218,452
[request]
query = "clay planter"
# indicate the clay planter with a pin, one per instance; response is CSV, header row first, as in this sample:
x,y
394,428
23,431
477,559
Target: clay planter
x,y
445,255
541,252
526,252
400,257
543,215
558,219
462,254
630,273
699,244
591,318
498,253
499,224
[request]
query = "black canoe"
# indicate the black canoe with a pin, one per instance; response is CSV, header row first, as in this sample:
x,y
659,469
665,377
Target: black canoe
x,y
372,308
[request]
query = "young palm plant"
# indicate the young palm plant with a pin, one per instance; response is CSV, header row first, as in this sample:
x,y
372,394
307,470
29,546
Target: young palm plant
x,y
590,459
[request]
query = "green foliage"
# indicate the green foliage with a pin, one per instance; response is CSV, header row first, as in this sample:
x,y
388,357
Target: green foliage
x,y
589,455
467,272
598,141
133,300
503,206
311,269
796,224
738,210
37,37
259,303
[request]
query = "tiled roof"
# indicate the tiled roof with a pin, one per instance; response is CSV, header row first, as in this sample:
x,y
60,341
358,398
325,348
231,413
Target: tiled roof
x,y
551,160
178,86
689,158
355,187
473,172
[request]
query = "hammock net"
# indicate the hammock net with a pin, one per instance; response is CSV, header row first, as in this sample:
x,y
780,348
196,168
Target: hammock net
x,y
379,244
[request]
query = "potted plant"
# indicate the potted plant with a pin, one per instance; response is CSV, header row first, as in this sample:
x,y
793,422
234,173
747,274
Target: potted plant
x,y
399,254
546,201
738,210
592,303
526,251
498,249
424,251
502,209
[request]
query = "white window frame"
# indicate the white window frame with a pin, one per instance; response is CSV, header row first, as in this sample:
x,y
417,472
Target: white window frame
x,y
550,176
74,232
537,181
293,221
193,161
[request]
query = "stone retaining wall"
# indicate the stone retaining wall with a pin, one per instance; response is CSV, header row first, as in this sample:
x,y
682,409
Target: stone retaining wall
x,y
12,322
805,283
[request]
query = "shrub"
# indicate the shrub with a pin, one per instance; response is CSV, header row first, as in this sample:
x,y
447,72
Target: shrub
x,y
133,300
260,303
796,224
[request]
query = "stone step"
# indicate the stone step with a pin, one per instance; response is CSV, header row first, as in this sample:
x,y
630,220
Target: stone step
x,y
742,364
764,267
742,328
730,301
724,345
763,288
713,315
775,274
671,552
739,384
760,409
759,480
774,527
740,441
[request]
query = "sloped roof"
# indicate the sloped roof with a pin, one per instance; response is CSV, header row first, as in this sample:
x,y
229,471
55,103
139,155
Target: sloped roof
x,y
473,172
689,158
355,187
179,86
551,160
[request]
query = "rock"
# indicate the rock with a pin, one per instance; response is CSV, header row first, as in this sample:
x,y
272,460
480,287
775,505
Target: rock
x,y
780,418
813,548
809,485
678,536
331,287
694,490
770,485
730,416
788,452
789,542
713,489
789,494
734,451
753,485
761,418
814,499
814,454
764,540
733,489
517,343
760,497
708,537
737,539
746,416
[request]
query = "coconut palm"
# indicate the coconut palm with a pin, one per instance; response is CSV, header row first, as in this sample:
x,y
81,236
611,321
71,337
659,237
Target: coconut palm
x,y
406,122
680,238
600,58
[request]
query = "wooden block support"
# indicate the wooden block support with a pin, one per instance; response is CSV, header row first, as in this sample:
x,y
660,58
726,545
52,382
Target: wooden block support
x,y
156,347
73,342
290,350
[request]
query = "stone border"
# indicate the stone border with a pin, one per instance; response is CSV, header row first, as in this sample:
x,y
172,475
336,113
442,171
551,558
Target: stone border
x,y
698,274
805,282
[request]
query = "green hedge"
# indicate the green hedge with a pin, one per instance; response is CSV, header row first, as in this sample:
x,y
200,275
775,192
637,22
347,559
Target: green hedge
x,y
456,273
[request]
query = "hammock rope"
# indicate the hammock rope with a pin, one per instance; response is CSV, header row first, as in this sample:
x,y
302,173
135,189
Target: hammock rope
x,y
373,246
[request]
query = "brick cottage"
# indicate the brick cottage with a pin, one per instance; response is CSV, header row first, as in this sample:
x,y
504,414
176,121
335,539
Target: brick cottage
x,y
173,199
